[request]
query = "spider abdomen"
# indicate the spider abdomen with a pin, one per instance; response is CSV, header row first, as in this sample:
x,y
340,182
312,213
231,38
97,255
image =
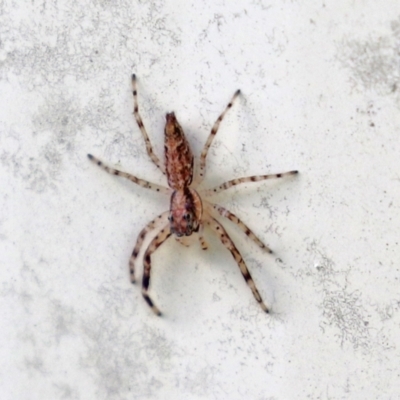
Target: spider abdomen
x,y
178,156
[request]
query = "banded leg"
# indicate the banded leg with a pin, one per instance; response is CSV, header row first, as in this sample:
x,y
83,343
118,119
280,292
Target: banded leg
x,y
184,240
188,240
134,179
162,236
228,243
149,228
211,136
232,217
139,121
255,178
203,243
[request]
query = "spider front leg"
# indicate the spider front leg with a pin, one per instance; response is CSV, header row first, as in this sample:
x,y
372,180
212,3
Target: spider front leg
x,y
162,219
134,179
187,240
255,178
139,121
210,138
232,217
162,236
203,243
228,243
184,240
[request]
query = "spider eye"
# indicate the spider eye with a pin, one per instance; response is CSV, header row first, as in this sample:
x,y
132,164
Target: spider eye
x,y
170,218
187,217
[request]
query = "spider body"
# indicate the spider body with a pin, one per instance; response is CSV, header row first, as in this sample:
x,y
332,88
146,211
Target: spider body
x,y
178,156
189,210
186,211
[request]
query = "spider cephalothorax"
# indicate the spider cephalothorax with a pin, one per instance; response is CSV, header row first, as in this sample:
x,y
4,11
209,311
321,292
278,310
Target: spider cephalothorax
x,y
185,212
189,210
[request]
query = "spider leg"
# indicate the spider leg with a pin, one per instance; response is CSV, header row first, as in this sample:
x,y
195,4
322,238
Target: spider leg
x,y
138,181
162,236
184,240
150,227
139,121
255,178
211,136
187,240
232,217
228,243
203,243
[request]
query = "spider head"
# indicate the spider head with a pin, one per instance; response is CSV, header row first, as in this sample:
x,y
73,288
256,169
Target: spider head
x,y
185,212
183,223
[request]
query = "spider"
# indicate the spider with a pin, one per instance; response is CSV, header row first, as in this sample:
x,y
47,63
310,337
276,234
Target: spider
x,y
189,211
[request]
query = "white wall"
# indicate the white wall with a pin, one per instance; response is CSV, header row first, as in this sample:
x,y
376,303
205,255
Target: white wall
x,y
320,93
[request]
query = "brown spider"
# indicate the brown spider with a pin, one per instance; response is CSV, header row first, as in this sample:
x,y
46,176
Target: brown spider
x,y
189,211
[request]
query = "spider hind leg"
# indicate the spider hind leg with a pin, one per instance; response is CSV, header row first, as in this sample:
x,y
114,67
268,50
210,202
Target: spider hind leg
x,y
211,136
140,124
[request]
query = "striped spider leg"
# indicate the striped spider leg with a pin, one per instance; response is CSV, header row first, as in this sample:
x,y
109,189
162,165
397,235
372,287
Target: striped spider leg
x,y
237,181
210,138
139,121
189,211
220,231
223,212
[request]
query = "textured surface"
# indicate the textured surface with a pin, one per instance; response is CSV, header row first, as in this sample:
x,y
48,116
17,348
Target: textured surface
x,y
320,93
